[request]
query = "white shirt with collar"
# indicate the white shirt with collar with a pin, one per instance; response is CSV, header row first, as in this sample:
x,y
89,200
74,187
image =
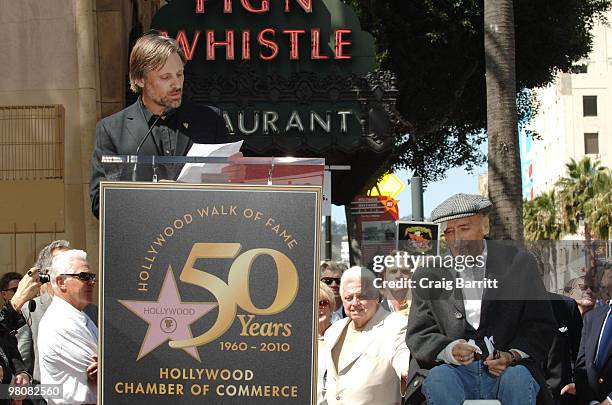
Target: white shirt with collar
x,y
67,340
473,306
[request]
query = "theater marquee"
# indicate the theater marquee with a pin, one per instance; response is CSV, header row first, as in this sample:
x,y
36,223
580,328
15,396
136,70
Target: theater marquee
x,y
291,76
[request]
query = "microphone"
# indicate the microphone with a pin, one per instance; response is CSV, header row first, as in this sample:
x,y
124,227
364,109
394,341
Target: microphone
x,y
142,141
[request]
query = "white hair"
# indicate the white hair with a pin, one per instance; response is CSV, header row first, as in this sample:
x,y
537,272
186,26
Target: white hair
x,y
363,274
62,263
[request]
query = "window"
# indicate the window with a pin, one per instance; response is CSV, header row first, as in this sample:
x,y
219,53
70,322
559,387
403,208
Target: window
x,y
589,106
578,69
31,142
591,143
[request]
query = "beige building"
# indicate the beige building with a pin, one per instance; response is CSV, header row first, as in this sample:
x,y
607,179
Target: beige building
x,y
574,119
64,67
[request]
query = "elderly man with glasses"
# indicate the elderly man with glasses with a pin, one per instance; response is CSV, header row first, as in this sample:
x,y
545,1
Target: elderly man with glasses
x,y
366,354
482,340
578,289
68,338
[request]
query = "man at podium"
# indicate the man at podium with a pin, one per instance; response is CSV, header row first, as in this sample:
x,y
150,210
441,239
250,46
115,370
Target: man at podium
x,y
160,122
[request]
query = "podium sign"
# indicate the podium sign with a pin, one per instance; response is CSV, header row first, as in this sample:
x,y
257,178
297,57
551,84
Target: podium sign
x,y
208,293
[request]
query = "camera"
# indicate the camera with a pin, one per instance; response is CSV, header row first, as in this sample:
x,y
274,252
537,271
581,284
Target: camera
x,y
44,278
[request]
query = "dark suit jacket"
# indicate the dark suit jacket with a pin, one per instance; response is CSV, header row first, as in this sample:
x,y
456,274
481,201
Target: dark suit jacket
x,y
561,357
120,134
591,384
518,314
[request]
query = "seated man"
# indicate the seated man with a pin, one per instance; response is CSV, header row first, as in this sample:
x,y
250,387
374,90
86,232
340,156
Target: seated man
x,y
68,338
594,364
562,354
579,290
365,353
441,328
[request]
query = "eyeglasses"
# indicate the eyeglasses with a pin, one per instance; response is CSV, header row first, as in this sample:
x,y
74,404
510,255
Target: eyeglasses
x,y
330,280
323,303
83,276
14,289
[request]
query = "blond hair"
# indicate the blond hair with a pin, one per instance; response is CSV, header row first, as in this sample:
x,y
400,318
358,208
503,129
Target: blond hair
x,y
150,53
324,290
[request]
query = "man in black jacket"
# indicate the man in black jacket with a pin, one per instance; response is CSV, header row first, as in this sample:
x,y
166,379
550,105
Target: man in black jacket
x,y
11,320
156,73
594,365
561,359
448,329
9,284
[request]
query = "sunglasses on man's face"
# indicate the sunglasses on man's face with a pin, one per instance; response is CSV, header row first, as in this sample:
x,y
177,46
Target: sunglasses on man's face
x,y
14,289
83,276
330,280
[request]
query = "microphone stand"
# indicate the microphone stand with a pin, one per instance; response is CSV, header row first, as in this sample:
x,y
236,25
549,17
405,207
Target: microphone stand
x,y
142,141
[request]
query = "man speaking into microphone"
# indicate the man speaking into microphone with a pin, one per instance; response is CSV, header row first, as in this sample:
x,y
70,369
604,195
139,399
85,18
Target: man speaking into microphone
x,y
159,123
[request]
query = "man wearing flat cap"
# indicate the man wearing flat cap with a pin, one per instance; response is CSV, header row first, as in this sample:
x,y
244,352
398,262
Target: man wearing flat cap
x,y
485,337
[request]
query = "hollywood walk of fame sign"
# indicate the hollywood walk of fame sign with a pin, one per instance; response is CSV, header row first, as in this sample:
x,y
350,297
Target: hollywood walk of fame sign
x,y
212,297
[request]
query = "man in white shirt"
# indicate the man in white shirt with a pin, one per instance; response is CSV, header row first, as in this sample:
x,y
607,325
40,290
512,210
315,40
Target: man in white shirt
x,y
68,339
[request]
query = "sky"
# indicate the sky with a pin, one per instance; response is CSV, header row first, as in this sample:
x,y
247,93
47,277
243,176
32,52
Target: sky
x,y
457,180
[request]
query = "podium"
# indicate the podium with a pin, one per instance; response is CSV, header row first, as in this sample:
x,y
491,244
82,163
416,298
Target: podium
x,y
242,170
208,291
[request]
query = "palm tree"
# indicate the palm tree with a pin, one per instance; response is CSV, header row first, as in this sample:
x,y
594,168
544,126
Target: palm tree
x,y
599,208
581,184
541,218
577,193
543,229
504,172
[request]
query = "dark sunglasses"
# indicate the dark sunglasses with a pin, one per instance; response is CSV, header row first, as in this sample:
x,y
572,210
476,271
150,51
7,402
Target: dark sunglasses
x,y
329,280
323,303
83,276
14,289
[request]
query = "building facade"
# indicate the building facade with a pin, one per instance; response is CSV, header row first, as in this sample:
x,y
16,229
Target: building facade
x,y
64,67
573,118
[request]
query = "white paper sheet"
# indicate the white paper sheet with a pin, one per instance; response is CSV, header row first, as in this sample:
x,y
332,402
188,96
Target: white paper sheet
x,y
192,172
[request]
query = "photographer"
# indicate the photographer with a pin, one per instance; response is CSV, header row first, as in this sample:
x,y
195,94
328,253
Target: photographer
x,y
11,318
11,363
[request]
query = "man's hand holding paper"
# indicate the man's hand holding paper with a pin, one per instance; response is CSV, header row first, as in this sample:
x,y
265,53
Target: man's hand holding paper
x,y
214,172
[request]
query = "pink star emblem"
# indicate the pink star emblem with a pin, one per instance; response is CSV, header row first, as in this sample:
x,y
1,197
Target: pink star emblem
x,y
168,317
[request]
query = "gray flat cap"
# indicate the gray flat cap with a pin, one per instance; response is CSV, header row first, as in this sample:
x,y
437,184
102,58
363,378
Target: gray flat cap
x,y
460,206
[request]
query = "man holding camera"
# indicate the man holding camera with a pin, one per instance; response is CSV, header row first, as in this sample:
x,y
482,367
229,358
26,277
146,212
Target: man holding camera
x,y
11,320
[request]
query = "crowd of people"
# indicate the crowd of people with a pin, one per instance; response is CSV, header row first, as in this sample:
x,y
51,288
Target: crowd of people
x,y
516,344
48,327
396,344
